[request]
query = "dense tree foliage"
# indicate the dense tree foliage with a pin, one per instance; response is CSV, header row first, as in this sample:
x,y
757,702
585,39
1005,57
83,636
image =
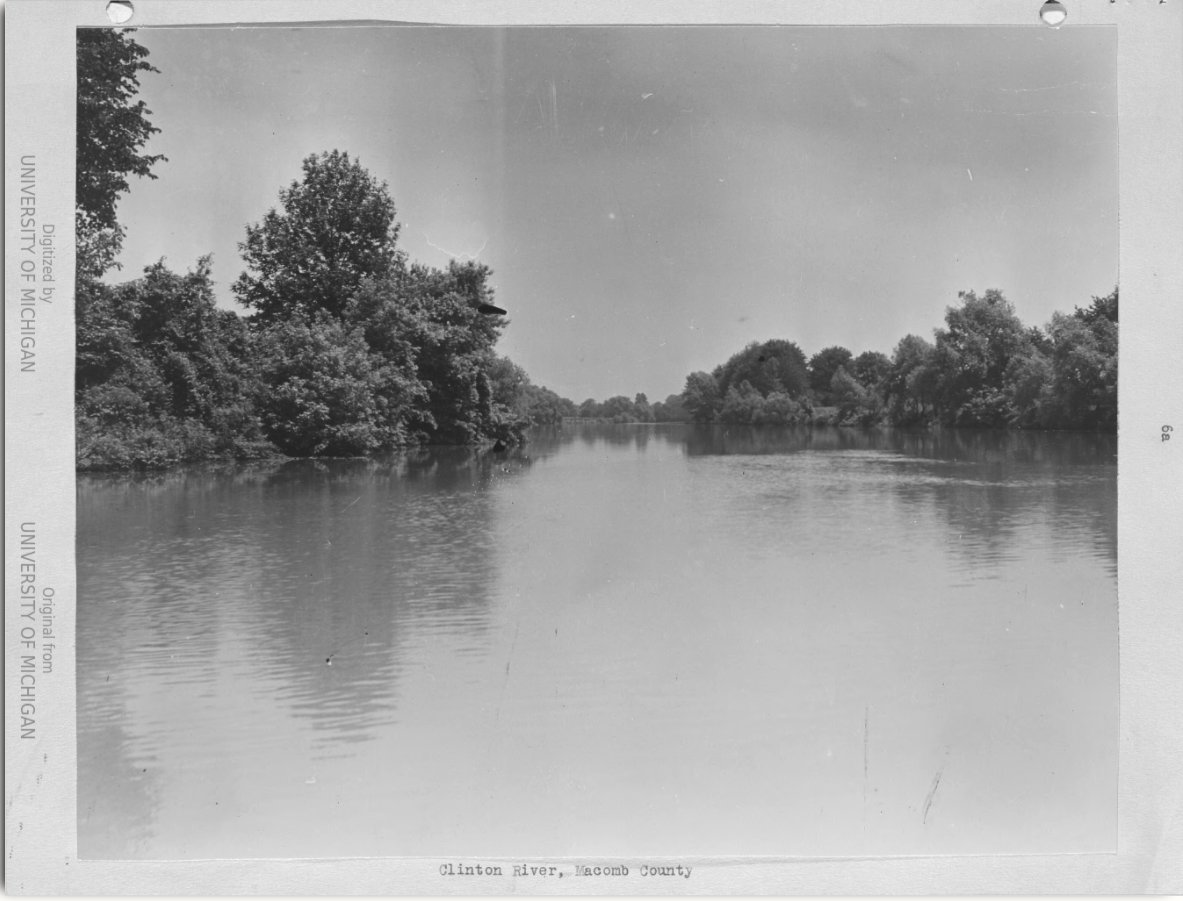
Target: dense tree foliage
x,y
334,228
541,406
984,369
325,392
909,386
854,400
775,366
672,409
745,405
1082,389
972,355
112,130
701,396
823,366
162,375
870,368
620,409
455,349
351,349
764,382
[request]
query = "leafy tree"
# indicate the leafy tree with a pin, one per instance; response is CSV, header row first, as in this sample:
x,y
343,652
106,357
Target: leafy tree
x,y
335,228
454,343
112,131
391,326
1084,372
330,251
325,393
1027,385
1084,362
642,408
672,409
780,409
985,369
985,406
1100,308
162,375
822,367
509,383
854,401
910,387
701,397
870,368
618,409
743,405
1039,340
517,400
972,356
544,407
567,406
775,365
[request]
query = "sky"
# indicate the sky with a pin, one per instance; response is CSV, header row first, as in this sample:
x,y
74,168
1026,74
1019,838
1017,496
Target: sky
x,y
653,199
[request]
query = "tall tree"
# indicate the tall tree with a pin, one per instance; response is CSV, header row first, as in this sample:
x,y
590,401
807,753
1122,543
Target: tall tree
x,y
911,384
644,410
775,365
701,397
972,355
1084,371
112,131
823,366
453,344
870,368
334,228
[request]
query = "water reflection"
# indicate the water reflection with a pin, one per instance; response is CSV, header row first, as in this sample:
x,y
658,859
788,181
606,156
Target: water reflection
x,y
986,484
970,445
236,599
618,639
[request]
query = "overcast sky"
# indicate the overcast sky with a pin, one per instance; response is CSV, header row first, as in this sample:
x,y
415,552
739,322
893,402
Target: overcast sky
x,y
653,199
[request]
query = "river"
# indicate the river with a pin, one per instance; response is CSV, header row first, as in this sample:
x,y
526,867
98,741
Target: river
x,y
617,641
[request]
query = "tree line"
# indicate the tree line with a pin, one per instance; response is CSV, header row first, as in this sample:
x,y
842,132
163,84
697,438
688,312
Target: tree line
x,y
350,348
984,369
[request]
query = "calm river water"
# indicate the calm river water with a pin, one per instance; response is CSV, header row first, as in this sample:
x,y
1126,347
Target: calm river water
x,y
621,640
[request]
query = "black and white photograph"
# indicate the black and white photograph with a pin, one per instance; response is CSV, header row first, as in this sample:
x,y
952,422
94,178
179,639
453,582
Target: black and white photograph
x,y
577,451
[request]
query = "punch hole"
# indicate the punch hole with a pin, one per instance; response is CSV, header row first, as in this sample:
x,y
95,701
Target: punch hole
x,y
119,11
1053,13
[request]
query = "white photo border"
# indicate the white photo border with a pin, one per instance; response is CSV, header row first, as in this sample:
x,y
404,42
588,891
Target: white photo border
x,y
41,774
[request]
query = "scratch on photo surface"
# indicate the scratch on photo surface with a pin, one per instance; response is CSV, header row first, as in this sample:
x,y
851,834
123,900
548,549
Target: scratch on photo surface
x,y
554,108
458,254
501,698
932,793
